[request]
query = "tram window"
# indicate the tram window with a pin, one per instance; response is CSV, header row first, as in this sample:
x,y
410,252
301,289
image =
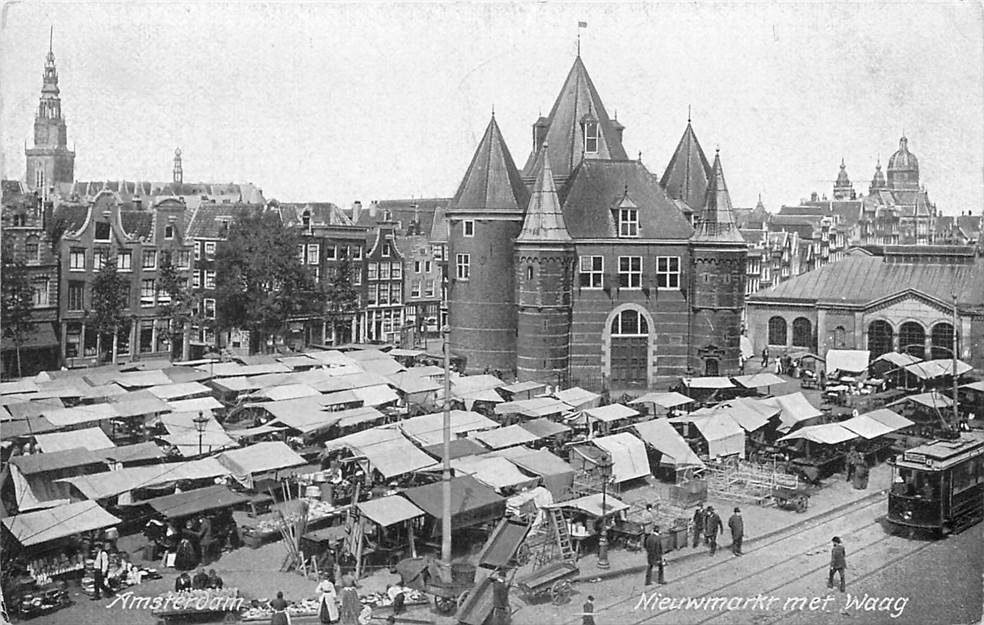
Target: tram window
x,y
963,477
927,486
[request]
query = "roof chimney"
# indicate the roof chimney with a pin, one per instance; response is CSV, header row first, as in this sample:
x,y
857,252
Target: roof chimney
x,y
356,210
373,205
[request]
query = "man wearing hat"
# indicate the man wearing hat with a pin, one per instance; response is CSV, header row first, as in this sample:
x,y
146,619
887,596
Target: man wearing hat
x,y
654,556
737,527
100,570
838,562
712,527
699,515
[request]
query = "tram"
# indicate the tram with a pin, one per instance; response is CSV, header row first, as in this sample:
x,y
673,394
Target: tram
x,y
939,486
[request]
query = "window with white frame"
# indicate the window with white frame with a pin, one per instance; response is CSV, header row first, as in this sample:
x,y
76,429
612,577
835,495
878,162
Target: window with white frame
x,y
396,293
357,253
209,279
630,272
592,270
124,260
42,292
373,271
209,250
99,256
196,279
313,253
183,259
357,274
149,260
668,272
629,323
384,271
331,252
437,251
209,308
462,265
628,222
32,249
387,250
416,266
169,231
383,298
198,251
397,271
76,295
371,295
300,253
415,288
591,137
427,266
468,227
148,290
429,288
76,259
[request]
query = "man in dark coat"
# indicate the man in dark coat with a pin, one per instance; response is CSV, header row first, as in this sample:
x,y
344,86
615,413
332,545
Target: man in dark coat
x,y
501,613
654,556
699,515
206,539
712,527
737,526
838,562
200,580
587,616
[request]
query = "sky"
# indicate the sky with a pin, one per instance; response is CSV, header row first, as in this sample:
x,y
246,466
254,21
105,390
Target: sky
x,y
354,101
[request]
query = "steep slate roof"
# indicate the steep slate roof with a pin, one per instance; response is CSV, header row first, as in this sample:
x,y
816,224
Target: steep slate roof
x,y
717,221
136,223
73,214
205,225
544,219
859,279
322,214
492,182
688,174
405,210
578,100
439,227
598,187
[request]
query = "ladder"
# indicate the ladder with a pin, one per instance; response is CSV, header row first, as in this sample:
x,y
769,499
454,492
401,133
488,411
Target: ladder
x,y
562,534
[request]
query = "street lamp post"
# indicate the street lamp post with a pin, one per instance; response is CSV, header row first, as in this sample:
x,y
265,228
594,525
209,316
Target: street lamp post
x,y
201,421
605,466
956,397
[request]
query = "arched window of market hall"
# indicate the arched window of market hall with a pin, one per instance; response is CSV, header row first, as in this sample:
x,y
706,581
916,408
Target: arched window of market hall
x,y
629,349
629,323
802,332
943,340
777,331
912,339
879,338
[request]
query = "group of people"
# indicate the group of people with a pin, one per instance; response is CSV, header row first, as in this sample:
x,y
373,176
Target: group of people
x,y
708,525
856,469
201,581
335,607
199,542
112,570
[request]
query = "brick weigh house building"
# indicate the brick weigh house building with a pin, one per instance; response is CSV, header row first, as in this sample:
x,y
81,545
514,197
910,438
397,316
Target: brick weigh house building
x,y
584,268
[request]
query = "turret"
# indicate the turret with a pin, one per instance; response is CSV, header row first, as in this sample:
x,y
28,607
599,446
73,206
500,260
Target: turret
x,y
544,274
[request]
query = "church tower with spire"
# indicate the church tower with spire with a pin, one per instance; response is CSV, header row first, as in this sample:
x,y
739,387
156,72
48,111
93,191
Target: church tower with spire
x,y
717,292
49,161
544,275
484,218
843,189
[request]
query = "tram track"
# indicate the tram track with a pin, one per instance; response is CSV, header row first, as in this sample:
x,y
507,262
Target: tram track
x,y
769,543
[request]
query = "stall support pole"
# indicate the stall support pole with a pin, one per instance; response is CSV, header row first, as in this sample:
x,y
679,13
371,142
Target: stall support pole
x,y
413,543
446,503
956,408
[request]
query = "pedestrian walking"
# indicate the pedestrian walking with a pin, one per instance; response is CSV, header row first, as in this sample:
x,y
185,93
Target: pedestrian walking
x,y
654,556
712,527
587,614
737,526
838,562
765,357
851,460
698,523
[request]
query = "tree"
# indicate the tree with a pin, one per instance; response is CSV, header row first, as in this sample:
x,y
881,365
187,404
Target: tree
x,y
180,304
341,297
260,282
108,301
18,301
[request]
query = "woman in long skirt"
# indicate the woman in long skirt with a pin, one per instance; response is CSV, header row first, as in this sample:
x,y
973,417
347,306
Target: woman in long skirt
x,y
279,606
351,606
328,608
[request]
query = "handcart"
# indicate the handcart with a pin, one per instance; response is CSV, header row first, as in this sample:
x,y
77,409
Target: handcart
x,y
627,534
449,587
796,499
552,580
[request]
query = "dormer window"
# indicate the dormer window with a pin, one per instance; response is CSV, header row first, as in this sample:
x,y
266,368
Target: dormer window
x,y
169,231
628,222
591,137
20,220
306,219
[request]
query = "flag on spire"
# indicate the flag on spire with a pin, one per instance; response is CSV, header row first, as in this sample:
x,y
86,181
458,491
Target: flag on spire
x,y
582,24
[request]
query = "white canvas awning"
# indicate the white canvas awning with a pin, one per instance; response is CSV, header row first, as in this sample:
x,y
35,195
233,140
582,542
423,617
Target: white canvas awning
x,y
183,390
90,438
611,412
889,418
868,427
376,395
533,408
666,400
847,360
428,429
932,399
259,458
286,391
897,359
577,397
389,510
758,380
66,417
591,504
41,526
723,435
505,437
711,382
493,471
111,483
825,433
937,368
197,404
795,408
387,450
628,453
661,436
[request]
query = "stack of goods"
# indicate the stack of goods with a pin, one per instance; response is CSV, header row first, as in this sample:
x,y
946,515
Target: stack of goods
x,y
382,600
44,569
259,610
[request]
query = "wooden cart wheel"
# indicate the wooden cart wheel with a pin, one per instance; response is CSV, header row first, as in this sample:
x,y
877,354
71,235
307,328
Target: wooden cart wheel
x,y
462,598
523,555
560,592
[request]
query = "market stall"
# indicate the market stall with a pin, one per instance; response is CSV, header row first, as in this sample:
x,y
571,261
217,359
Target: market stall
x,y
795,410
665,402
385,531
508,436
847,362
721,435
874,427
472,504
522,390
556,474
674,453
756,381
578,398
459,447
428,429
107,484
605,419
628,454
494,471
90,438
706,390
194,433
534,408
42,526
386,450
821,453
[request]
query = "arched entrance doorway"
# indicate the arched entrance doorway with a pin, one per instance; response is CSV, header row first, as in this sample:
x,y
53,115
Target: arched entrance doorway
x,y
629,349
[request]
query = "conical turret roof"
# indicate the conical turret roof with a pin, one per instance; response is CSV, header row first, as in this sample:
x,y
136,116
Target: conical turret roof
x,y
577,102
544,218
492,182
717,220
688,174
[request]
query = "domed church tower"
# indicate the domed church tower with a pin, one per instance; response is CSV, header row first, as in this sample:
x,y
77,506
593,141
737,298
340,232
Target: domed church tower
x,y
903,168
544,282
485,217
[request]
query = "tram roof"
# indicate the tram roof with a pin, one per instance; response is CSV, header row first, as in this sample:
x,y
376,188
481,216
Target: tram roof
x,y
942,454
